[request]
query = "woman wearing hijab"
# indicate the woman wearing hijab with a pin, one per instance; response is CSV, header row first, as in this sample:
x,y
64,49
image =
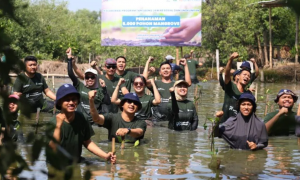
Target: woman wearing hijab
x,y
244,131
182,111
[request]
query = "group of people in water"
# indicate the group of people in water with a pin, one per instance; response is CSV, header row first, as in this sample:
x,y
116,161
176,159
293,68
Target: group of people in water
x,y
104,98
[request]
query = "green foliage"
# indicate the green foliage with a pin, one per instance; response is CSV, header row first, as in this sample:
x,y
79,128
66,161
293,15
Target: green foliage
x,y
136,143
233,25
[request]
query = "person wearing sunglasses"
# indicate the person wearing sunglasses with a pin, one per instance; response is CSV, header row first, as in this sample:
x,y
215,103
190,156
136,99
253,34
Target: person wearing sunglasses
x,y
282,122
183,114
90,82
147,101
111,82
160,112
124,124
121,72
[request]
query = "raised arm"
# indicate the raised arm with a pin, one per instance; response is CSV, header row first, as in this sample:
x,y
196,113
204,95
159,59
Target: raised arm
x,y
56,134
106,98
71,73
255,67
186,71
228,67
76,70
97,118
94,66
157,98
146,73
175,108
115,95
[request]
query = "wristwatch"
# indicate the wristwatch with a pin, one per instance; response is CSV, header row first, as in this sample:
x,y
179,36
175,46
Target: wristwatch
x,y
129,130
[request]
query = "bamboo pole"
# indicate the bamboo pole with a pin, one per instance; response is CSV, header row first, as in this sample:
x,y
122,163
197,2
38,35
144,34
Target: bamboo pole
x,y
54,108
113,145
298,114
217,62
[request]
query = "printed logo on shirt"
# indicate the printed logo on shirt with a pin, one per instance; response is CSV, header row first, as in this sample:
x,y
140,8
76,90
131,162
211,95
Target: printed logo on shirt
x,y
160,89
25,86
164,100
85,106
182,124
232,109
190,110
180,110
144,102
38,83
83,92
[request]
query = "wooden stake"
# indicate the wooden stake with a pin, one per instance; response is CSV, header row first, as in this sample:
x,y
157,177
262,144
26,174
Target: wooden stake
x,y
37,119
123,142
113,145
298,114
54,108
256,89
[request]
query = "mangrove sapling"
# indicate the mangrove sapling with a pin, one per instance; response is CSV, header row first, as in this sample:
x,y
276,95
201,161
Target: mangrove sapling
x,y
215,161
267,102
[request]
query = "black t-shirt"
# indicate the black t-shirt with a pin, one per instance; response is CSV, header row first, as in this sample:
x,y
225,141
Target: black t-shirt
x,y
115,121
72,135
31,88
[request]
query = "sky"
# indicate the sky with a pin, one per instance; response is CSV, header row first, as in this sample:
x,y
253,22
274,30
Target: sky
x,y
93,5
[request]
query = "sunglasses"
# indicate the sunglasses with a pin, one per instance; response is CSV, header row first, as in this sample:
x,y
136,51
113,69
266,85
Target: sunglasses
x,y
113,67
130,101
89,77
138,83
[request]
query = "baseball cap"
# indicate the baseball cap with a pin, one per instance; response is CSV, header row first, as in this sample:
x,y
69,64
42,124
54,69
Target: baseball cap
x,y
91,70
110,61
63,91
14,96
169,57
181,82
132,97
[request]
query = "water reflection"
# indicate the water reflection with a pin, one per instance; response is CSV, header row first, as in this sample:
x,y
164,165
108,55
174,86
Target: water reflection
x,y
166,154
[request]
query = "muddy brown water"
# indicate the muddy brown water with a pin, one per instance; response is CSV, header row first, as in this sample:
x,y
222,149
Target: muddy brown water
x,y
166,154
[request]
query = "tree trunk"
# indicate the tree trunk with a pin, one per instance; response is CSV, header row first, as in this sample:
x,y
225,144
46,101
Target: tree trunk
x,y
297,38
265,49
260,53
270,38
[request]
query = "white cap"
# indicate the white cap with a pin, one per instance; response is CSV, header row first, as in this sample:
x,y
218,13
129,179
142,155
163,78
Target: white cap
x,y
91,70
169,57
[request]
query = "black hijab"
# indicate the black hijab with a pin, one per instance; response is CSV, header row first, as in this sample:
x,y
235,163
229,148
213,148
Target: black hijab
x,y
239,129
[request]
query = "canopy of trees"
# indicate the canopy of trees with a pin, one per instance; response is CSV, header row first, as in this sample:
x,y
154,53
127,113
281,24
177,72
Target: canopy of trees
x,y
229,25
